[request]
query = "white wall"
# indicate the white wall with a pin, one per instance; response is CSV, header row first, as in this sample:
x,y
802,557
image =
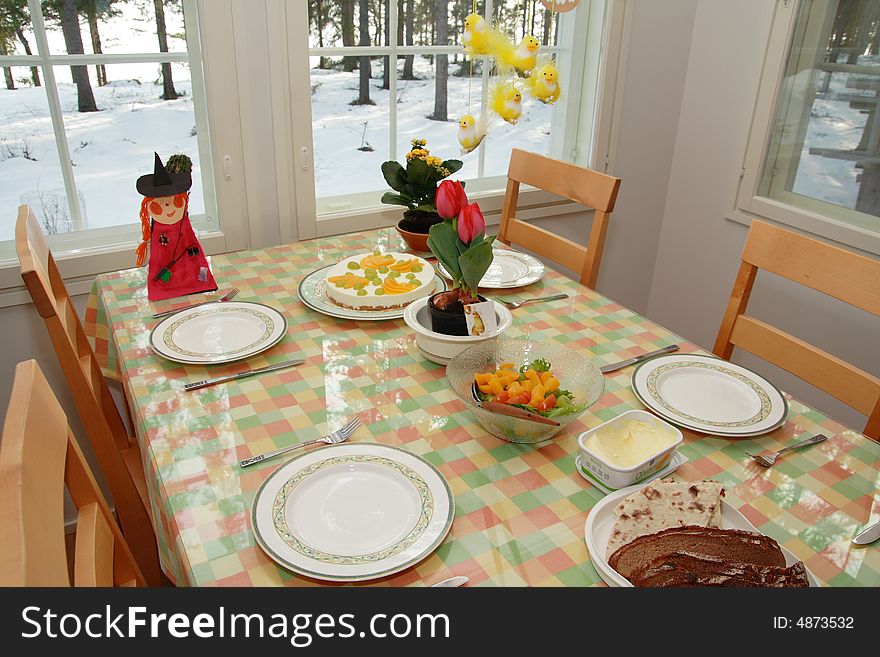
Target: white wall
x,y
699,250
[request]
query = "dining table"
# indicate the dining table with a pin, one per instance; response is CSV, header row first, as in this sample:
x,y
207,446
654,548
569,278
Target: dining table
x,y
520,510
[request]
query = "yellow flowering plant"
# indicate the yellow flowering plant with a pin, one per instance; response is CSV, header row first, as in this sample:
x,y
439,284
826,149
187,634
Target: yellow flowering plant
x,y
415,186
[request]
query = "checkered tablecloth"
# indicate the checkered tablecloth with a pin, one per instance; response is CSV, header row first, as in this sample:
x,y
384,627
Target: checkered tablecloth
x,y
520,510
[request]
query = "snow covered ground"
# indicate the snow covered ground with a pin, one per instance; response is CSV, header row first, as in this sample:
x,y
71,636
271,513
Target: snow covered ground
x,y
339,128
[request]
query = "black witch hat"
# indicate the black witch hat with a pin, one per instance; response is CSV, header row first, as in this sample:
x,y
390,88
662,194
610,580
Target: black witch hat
x,y
163,183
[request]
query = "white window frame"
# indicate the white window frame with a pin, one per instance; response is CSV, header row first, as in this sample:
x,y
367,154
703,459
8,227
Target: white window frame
x,y
586,133
221,229
815,217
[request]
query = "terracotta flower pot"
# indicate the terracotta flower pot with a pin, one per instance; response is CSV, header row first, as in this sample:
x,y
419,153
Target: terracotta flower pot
x,y
415,241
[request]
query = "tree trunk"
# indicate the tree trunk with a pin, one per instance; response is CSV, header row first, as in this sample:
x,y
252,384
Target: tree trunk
x,y
348,63
532,28
408,61
73,41
386,69
168,91
35,71
547,18
441,15
91,10
10,81
364,62
322,61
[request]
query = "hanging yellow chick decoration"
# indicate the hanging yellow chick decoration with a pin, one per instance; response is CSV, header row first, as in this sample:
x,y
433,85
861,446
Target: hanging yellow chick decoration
x,y
525,56
476,35
506,101
470,132
544,84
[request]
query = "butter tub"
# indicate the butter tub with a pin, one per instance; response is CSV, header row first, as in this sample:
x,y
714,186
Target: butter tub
x,y
615,477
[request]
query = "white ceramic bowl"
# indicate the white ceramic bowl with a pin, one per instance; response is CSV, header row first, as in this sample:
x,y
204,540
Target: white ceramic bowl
x,y
440,348
615,477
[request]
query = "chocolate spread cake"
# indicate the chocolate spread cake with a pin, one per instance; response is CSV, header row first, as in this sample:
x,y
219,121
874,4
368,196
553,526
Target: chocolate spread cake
x,y
729,545
683,569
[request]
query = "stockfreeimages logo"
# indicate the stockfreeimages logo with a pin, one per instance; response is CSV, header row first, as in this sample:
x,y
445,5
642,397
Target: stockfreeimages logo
x,y
299,629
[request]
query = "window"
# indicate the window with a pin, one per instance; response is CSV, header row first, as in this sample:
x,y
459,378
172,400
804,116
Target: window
x,y
90,89
410,51
816,166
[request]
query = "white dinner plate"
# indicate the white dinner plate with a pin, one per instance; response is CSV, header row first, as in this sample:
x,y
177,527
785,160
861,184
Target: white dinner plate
x,y
218,332
709,395
600,522
311,292
352,512
508,269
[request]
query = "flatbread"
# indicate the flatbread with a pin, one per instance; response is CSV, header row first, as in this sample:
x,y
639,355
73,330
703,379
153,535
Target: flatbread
x,y
663,504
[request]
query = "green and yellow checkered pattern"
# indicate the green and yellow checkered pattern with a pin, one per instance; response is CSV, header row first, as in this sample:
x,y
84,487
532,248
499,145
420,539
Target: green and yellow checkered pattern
x,y
520,510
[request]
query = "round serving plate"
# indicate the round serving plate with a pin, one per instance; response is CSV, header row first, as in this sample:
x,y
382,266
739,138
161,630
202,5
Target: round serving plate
x,y
508,269
600,523
218,332
709,395
352,512
311,292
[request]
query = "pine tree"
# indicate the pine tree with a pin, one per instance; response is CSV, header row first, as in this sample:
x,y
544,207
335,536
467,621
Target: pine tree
x,y
168,90
73,41
441,20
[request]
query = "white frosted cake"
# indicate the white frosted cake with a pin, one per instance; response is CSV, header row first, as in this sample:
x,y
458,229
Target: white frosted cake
x,y
379,281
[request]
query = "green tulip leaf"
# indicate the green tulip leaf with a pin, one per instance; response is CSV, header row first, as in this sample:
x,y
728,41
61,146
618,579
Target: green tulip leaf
x,y
442,240
474,263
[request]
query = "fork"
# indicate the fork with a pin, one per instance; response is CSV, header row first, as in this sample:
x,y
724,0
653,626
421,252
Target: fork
x,y
767,459
229,296
513,305
338,436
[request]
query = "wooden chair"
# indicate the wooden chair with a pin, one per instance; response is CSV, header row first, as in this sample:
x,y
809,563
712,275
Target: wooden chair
x,y
836,272
118,455
589,188
38,457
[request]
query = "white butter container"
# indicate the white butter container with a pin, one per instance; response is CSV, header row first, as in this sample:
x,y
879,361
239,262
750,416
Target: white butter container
x,y
614,477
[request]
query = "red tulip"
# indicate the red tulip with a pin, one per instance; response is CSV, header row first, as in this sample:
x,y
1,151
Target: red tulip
x,y
450,199
470,223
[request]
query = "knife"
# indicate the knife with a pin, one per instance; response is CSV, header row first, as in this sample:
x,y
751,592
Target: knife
x,y
867,536
461,580
198,385
613,367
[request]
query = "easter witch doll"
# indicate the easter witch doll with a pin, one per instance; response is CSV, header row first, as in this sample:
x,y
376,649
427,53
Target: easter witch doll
x,y
177,263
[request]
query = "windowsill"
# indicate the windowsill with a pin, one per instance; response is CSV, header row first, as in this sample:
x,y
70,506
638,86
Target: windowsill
x,y
841,232
533,203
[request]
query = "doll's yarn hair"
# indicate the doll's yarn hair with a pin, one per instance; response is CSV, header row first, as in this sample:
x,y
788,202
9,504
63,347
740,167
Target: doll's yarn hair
x,y
146,224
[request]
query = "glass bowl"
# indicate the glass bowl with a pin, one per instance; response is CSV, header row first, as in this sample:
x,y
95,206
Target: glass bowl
x,y
575,372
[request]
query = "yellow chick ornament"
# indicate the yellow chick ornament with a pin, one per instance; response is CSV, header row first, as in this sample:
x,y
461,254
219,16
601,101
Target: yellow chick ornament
x,y
525,56
506,101
475,38
470,132
544,84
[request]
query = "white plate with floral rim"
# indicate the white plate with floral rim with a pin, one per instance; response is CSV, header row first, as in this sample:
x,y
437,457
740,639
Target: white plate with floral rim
x,y
709,395
354,512
218,332
508,269
311,292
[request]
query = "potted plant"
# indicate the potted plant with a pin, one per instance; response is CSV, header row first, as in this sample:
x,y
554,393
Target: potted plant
x,y
460,243
414,188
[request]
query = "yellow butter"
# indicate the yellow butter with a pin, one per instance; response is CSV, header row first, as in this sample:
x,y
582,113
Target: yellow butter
x,y
627,444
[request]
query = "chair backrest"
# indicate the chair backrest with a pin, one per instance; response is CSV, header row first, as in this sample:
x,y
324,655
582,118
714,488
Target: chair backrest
x,y
842,274
38,457
97,410
589,188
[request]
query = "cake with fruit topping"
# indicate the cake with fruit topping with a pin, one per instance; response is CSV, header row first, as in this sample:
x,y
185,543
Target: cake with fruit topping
x,y
379,281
